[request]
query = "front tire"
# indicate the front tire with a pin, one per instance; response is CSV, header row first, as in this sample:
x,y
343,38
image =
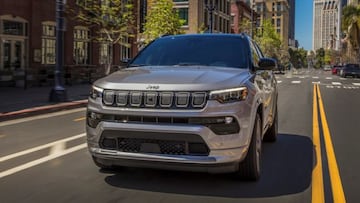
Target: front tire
x,y
250,167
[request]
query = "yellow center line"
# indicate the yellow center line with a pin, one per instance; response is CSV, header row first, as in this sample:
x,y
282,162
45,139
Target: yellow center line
x,y
336,185
79,119
317,175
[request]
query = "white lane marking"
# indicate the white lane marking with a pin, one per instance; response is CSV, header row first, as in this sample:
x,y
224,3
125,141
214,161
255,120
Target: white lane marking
x,y
296,82
11,156
336,83
41,160
315,77
279,81
21,120
357,84
329,78
57,148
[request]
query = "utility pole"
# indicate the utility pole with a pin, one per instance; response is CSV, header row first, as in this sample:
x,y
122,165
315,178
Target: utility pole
x,y
58,92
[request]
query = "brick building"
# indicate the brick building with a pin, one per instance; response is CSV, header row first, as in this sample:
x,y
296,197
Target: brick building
x,y
27,45
240,11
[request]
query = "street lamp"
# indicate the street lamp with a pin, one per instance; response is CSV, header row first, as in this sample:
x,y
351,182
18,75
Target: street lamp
x,y
211,7
58,92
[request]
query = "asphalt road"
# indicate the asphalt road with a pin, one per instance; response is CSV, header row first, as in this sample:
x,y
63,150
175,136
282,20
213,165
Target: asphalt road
x,y
44,158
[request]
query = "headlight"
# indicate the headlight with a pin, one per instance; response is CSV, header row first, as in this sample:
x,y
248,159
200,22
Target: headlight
x,y
229,95
109,97
96,92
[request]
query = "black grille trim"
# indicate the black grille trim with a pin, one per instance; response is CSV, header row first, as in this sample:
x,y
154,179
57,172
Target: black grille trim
x,y
164,143
158,99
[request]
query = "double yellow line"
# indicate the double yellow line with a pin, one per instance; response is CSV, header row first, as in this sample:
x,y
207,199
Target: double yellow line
x,y
317,175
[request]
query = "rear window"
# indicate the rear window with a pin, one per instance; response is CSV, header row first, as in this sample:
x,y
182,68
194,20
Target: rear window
x,y
226,51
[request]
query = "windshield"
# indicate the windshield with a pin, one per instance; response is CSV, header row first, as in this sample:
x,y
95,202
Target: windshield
x,y
185,50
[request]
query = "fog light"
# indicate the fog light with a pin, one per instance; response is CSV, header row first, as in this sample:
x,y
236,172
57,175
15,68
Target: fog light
x,y
228,120
93,119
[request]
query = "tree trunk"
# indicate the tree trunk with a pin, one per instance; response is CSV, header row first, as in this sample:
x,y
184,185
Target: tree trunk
x,y
108,68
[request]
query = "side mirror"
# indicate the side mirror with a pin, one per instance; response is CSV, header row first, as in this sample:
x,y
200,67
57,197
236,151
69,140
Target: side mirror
x,y
267,64
124,62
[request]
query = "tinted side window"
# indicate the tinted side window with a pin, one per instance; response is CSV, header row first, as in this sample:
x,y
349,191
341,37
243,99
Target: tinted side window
x,y
254,54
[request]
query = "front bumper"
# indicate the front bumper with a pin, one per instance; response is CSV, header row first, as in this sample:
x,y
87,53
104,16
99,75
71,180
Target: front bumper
x,y
225,151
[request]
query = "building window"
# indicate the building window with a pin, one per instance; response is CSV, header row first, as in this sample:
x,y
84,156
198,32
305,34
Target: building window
x,y
81,45
125,50
14,28
278,22
184,14
48,43
105,53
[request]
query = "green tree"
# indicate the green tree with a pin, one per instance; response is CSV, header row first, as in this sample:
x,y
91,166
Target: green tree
x,y
351,26
268,39
298,57
350,14
112,21
320,54
162,19
245,26
328,57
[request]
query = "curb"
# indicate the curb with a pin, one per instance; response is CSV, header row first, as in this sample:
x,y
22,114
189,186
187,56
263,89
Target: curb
x,y
42,109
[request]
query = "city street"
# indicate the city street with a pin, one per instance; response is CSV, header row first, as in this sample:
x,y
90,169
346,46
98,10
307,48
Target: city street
x,y
44,158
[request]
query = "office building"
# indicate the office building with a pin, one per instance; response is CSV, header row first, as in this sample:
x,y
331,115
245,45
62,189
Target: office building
x,y
327,24
279,13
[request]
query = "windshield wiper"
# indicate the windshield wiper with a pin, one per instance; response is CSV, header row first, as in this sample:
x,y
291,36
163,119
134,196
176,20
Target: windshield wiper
x,y
189,64
136,65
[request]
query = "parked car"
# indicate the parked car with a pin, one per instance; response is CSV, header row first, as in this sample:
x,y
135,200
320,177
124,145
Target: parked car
x,y
327,68
336,69
201,102
350,70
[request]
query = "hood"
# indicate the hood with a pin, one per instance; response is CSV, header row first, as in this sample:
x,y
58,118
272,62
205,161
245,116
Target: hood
x,y
194,78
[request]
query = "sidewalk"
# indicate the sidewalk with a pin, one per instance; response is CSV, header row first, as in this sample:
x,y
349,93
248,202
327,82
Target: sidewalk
x,y
18,102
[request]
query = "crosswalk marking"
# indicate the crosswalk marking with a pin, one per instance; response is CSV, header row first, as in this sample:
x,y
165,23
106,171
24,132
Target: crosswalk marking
x,y
357,84
336,83
315,77
279,81
329,78
296,82
316,82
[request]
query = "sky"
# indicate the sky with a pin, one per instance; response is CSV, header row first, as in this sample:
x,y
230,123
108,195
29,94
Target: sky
x,y
304,23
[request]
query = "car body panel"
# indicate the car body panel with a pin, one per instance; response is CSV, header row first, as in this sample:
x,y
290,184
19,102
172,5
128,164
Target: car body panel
x,y
225,151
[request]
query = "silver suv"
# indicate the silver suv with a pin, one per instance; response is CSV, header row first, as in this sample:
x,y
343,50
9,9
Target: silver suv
x,y
201,102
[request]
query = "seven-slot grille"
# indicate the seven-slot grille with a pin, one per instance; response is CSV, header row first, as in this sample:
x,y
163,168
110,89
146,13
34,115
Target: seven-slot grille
x,y
152,99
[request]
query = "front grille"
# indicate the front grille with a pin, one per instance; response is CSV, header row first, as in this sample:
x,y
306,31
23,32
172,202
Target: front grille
x,y
155,146
136,142
216,124
144,99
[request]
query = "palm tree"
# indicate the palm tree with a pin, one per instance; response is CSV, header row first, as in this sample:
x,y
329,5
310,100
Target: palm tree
x,y
351,26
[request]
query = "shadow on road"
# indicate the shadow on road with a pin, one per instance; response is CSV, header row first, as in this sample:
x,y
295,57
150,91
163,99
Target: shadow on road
x,y
287,169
